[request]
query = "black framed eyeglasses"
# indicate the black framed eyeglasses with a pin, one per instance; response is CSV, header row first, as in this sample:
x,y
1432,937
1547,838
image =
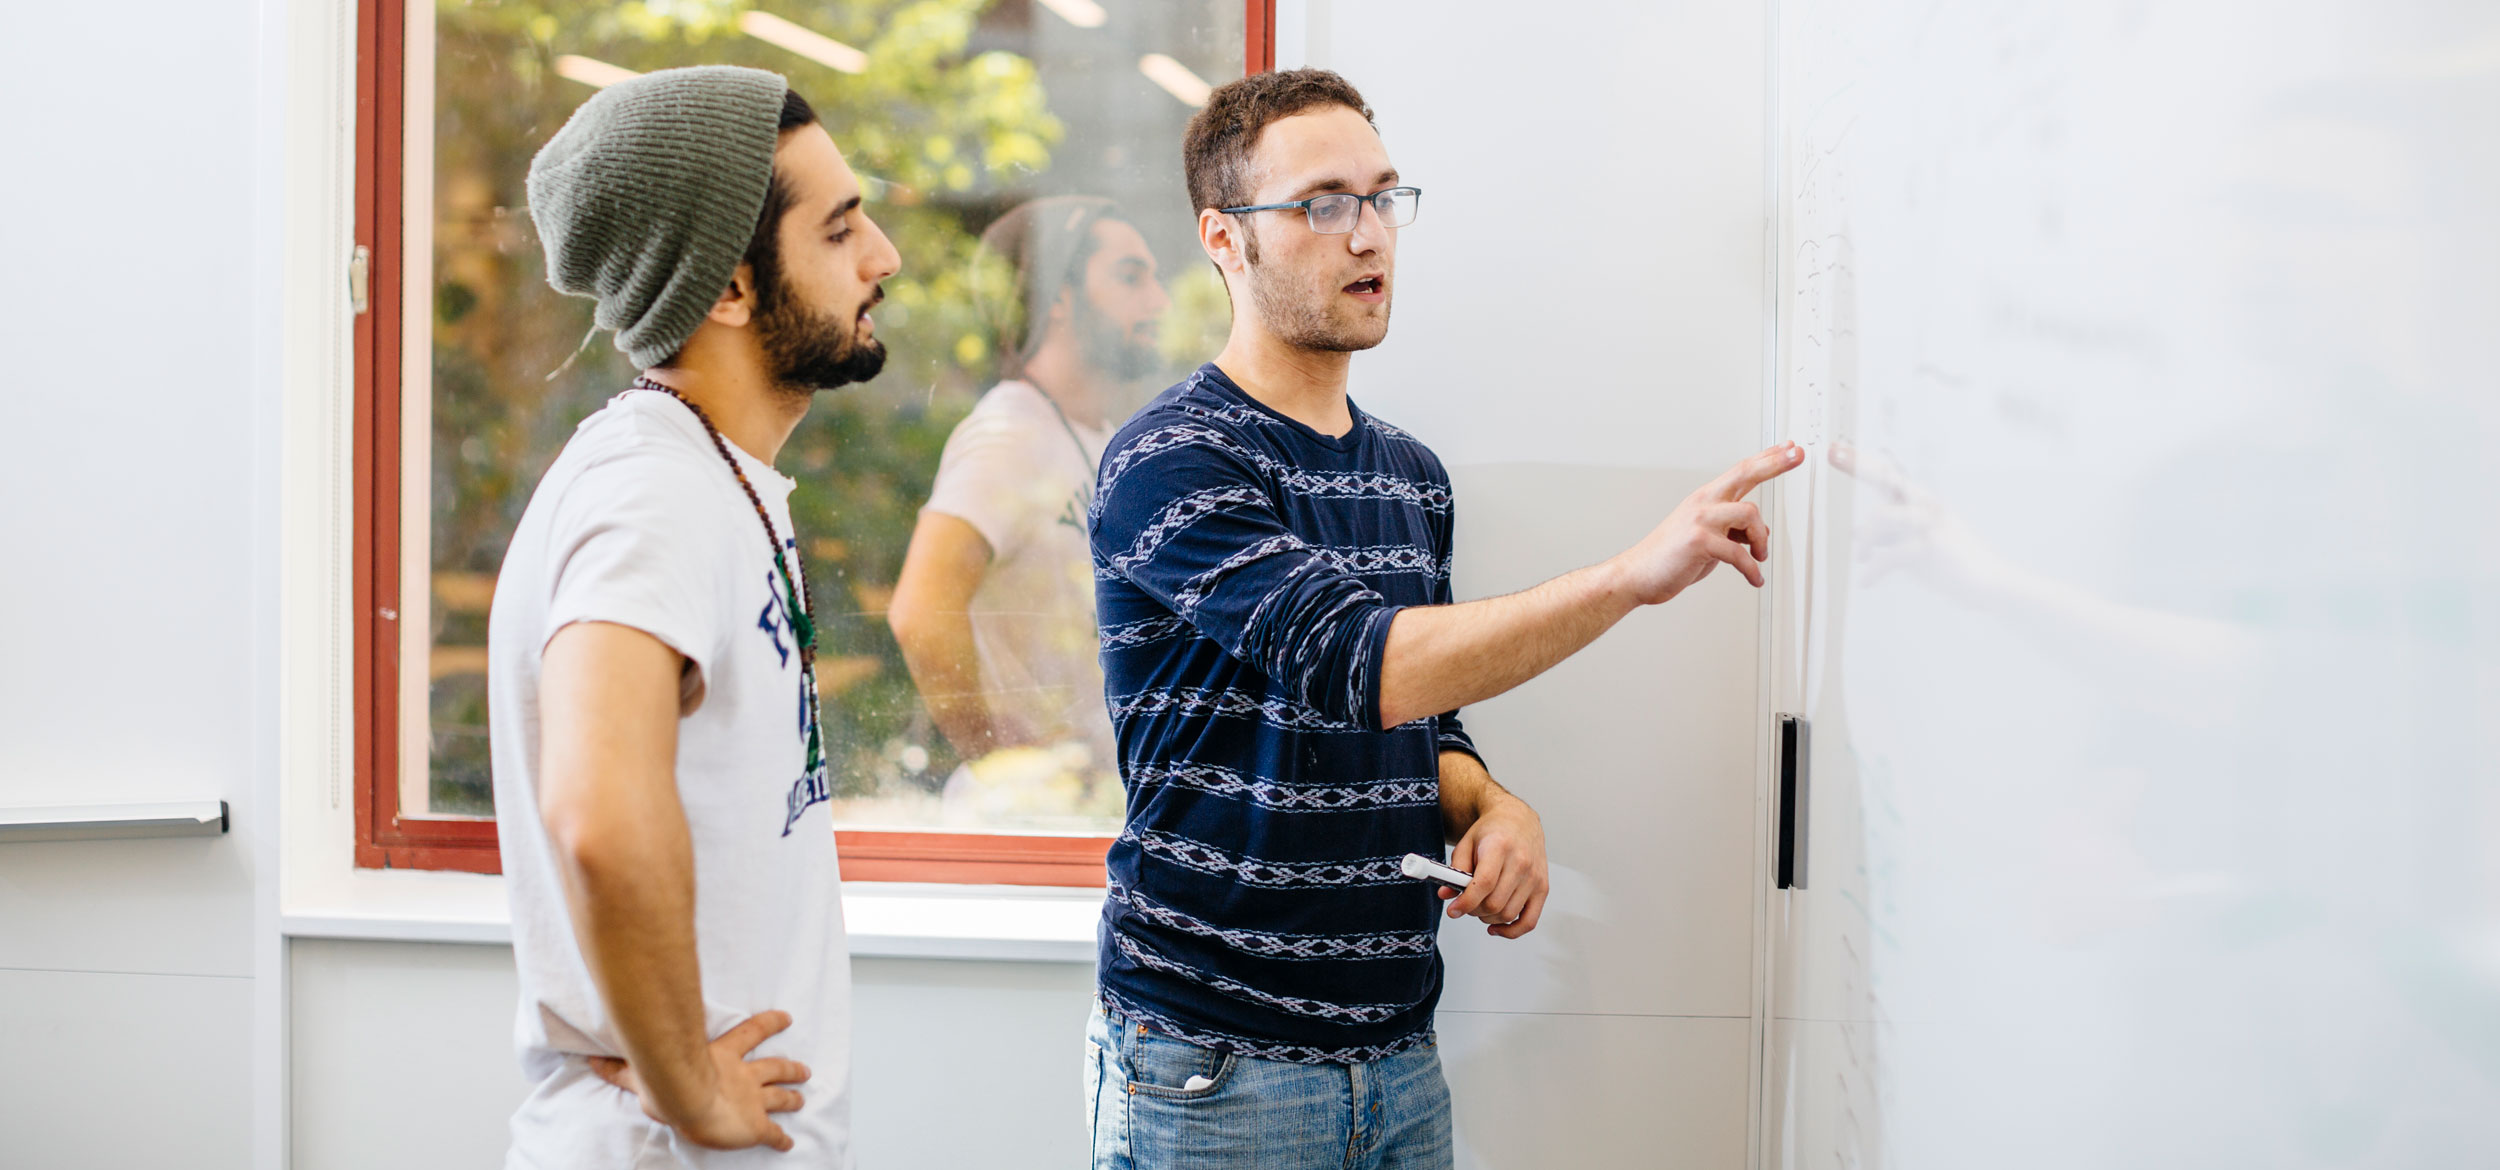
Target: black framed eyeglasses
x,y
1335,214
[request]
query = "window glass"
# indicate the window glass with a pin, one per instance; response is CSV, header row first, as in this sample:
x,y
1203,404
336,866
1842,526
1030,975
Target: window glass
x,y
1024,157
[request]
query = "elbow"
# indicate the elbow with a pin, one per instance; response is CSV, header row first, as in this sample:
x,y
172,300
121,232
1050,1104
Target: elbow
x,y
912,622
1343,662
1397,710
573,842
582,845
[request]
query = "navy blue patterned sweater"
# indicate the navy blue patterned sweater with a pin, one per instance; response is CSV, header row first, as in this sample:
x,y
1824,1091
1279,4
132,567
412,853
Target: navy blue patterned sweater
x,y
1245,571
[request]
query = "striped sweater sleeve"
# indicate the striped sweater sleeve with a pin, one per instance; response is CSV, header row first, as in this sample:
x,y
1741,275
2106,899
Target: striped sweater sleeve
x,y
1194,528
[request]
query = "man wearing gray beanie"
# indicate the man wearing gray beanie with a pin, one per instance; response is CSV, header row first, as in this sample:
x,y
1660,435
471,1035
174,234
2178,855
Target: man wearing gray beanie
x,y
651,636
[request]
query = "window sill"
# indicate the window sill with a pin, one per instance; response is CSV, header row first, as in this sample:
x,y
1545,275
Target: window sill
x,y
884,920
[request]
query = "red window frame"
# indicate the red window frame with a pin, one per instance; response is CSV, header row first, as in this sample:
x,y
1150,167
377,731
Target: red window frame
x,y
384,838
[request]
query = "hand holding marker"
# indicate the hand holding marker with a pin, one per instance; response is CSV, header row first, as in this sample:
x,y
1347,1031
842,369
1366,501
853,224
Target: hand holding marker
x,y
1422,868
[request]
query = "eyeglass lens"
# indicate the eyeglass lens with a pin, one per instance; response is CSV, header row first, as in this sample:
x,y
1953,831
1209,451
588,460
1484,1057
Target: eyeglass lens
x,y
1334,214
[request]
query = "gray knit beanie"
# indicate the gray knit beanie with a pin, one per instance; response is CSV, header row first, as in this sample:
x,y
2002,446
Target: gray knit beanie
x,y
647,197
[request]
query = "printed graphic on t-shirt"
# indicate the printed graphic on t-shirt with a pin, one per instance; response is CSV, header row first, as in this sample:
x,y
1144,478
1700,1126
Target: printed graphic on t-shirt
x,y
773,621
815,787
812,789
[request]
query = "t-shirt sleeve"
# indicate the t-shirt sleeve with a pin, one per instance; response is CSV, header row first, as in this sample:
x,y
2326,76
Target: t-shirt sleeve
x,y
988,477
632,545
1184,515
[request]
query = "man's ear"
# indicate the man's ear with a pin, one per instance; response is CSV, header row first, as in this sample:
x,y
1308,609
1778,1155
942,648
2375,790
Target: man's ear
x,y
1220,235
1062,308
737,303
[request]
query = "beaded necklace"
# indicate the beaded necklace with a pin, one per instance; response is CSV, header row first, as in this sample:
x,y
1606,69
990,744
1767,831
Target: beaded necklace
x,y
797,600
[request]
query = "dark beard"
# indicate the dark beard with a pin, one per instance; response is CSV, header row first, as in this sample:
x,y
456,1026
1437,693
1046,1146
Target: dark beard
x,y
1108,349
810,351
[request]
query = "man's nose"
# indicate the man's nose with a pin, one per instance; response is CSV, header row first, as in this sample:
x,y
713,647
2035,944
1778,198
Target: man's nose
x,y
1370,231
883,259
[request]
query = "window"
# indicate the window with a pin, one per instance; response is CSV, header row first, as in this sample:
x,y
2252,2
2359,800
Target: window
x,y
966,746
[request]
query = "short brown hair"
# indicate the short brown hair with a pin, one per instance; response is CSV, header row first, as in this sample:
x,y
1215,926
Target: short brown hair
x,y
1215,154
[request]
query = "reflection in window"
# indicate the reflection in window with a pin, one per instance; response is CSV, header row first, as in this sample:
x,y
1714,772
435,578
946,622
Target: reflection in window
x,y
1024,156
994,609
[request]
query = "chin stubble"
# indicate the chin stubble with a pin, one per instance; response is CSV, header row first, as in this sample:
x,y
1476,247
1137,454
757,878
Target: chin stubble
x,y
1305,324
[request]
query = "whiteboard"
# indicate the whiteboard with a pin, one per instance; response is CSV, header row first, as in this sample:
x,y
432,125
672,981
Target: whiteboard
x,y
2144,586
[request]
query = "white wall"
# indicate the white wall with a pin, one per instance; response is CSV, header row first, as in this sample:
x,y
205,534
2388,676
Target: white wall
x,y
1578,379
134,975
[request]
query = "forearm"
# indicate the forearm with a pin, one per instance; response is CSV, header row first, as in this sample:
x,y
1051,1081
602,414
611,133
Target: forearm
x,y
931,615
1467,789
632,903
1443,657
945,664
1497,838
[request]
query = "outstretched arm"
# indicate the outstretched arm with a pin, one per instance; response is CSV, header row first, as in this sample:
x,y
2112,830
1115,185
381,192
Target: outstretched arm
x,y
1443,657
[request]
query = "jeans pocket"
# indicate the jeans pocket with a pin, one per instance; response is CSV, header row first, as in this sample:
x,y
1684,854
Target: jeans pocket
x,y
1173,1069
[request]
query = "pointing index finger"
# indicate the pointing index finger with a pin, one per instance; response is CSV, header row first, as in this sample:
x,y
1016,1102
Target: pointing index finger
x,y
1761,468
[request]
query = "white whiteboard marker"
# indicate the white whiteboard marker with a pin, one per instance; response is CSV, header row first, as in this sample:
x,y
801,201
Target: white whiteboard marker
x,y
1423,868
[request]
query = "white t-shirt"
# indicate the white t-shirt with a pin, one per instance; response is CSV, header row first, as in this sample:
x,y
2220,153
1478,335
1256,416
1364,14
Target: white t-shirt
x,y
1022,477
640,523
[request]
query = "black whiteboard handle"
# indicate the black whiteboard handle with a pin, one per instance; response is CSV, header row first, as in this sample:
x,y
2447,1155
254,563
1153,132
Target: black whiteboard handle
x,y
1795,748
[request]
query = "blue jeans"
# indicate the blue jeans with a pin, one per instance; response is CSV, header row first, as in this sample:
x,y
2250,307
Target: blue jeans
x,y
1245,1112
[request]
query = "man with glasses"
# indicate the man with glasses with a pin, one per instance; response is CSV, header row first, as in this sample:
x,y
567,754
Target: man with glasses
x,y
1284,667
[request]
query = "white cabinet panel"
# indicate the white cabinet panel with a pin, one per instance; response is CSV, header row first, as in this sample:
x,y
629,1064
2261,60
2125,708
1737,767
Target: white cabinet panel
x,y
111,1072
958,1064
1547,1092
180,906
402,1055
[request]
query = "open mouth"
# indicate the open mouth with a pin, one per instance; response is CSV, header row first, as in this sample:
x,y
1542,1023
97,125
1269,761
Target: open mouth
x,y
1366,287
